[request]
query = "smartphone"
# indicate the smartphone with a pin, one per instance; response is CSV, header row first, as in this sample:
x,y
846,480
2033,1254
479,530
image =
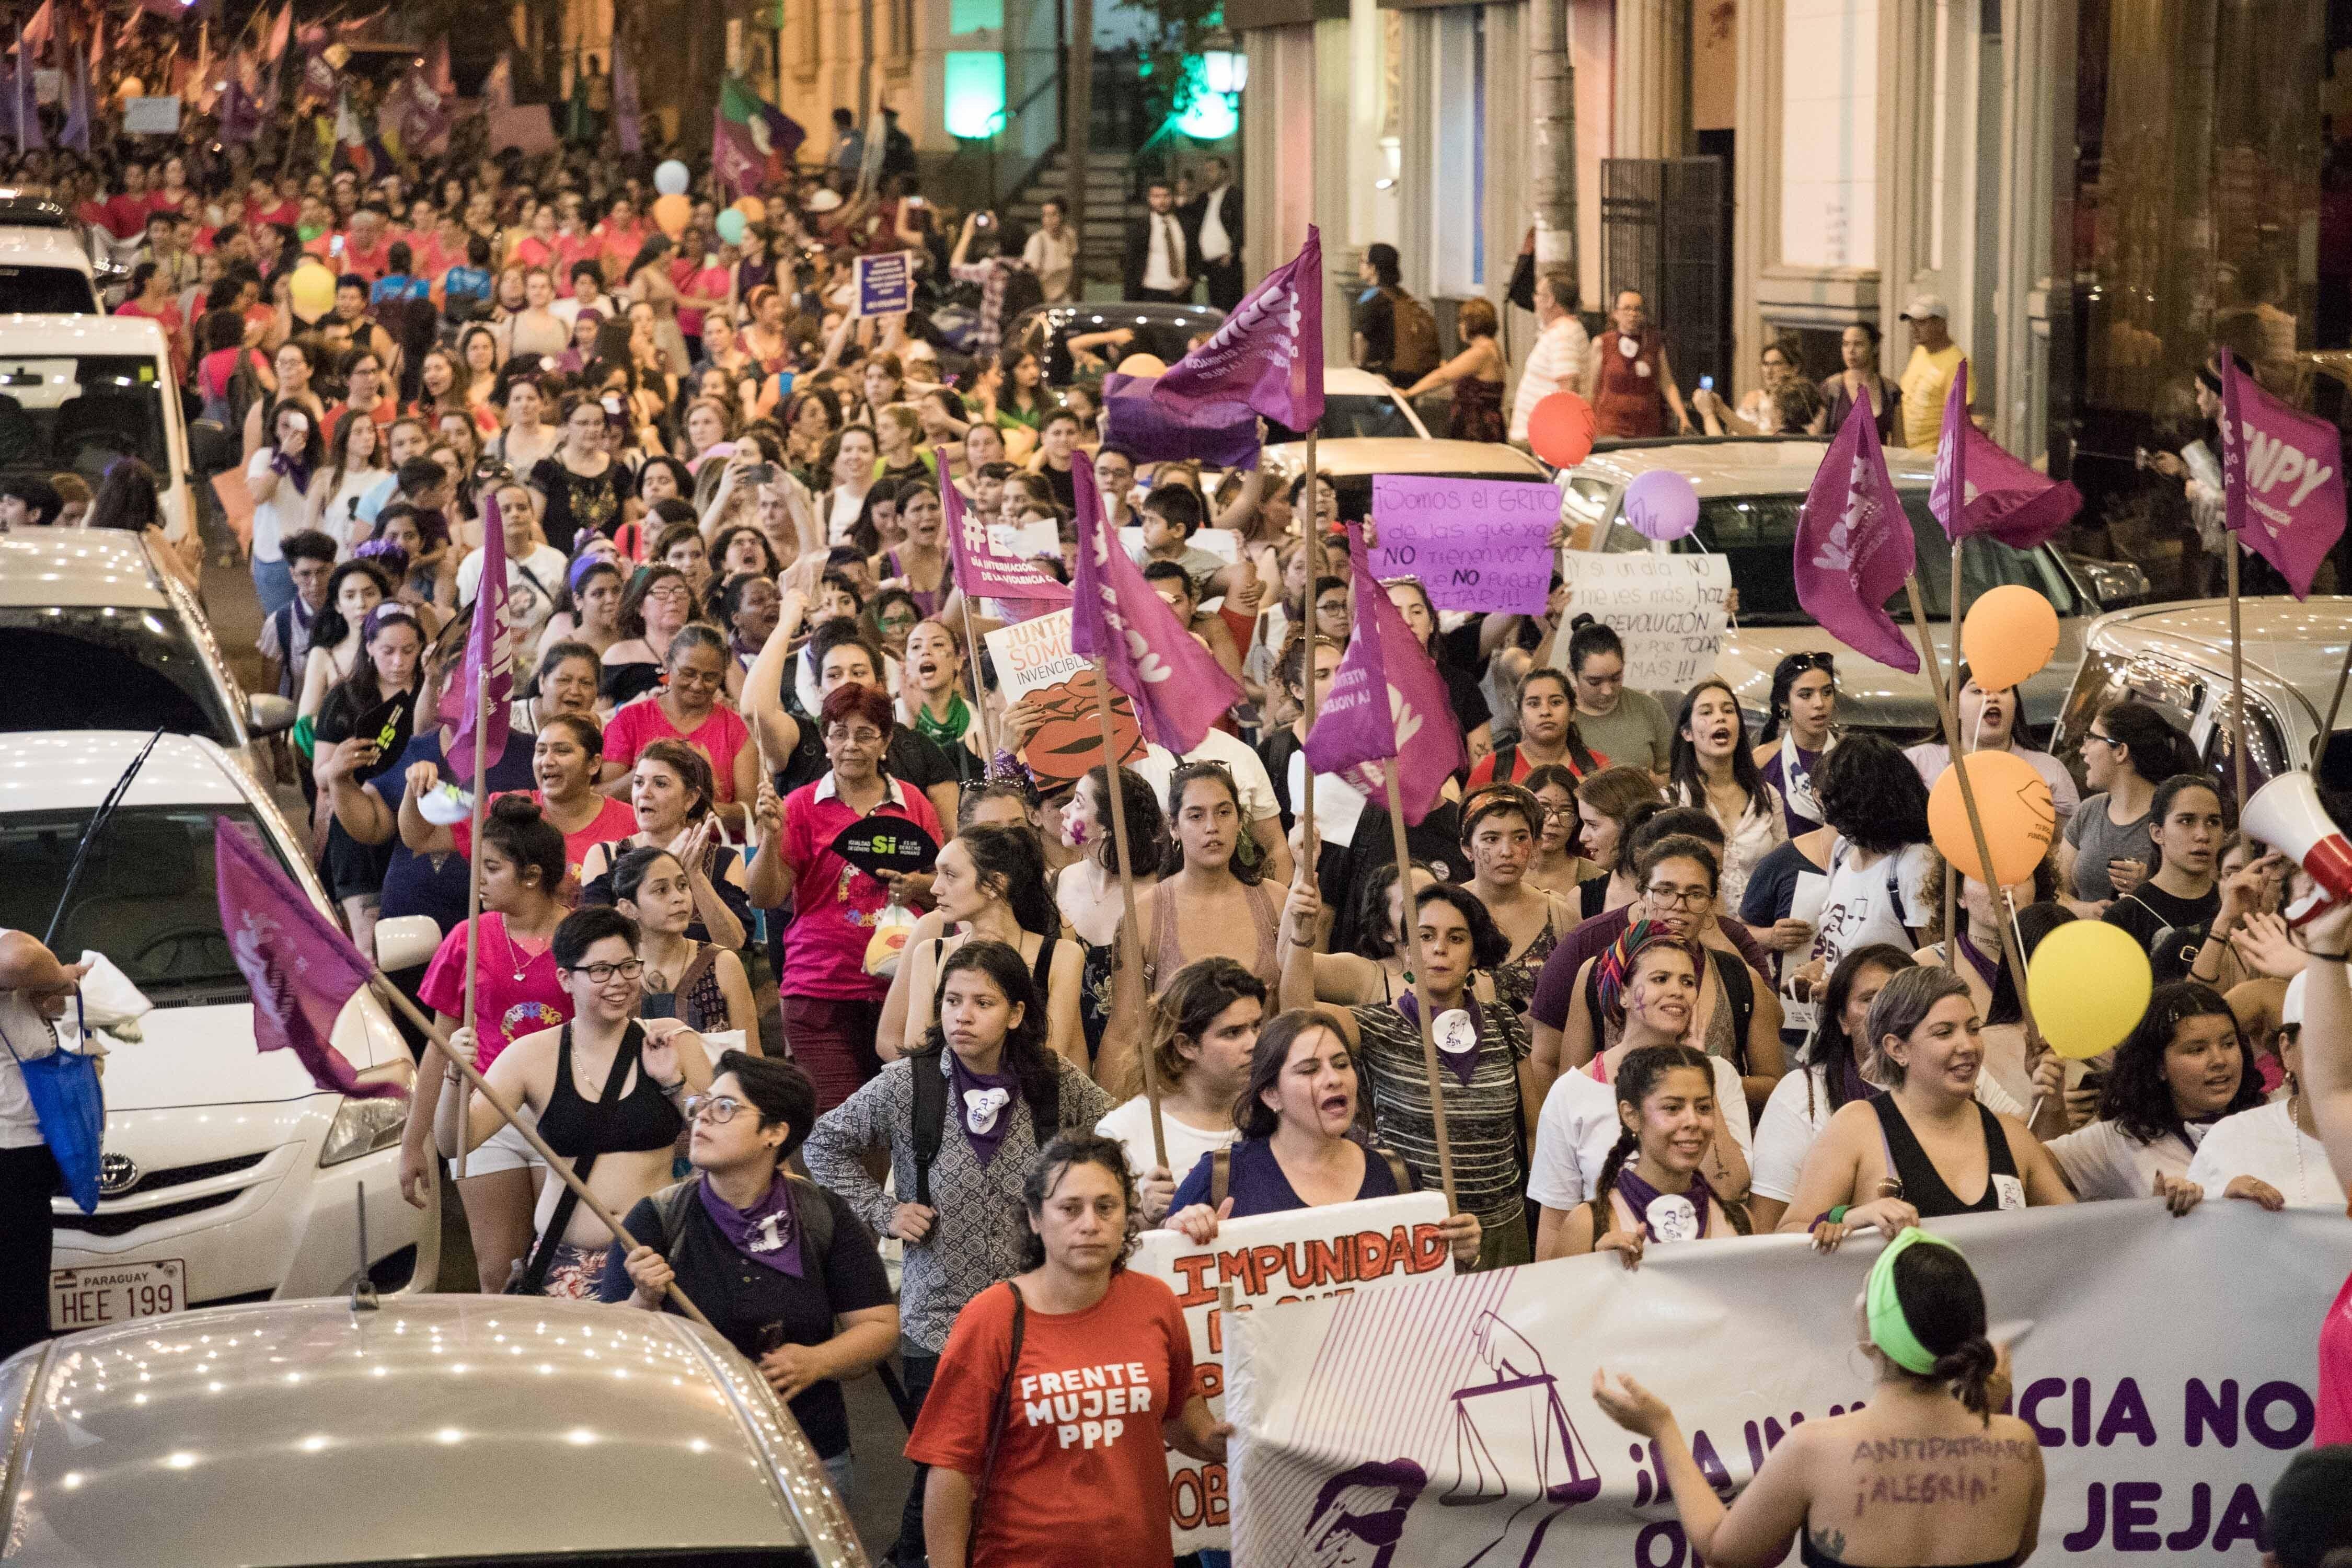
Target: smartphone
x,y
335,246
1707,383
760,474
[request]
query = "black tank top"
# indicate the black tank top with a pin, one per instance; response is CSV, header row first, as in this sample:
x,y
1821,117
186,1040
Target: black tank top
x,y
1814,1557
640,1121
1923,1185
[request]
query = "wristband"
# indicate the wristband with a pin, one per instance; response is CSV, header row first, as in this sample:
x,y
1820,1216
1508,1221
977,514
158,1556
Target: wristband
x,y
1829,1216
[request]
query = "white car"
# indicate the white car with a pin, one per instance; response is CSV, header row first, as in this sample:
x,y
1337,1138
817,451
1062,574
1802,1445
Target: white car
x,y
228,1175
45,259
77,392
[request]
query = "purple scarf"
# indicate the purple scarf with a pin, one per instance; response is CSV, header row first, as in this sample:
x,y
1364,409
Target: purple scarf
x,y
982,1101
1463,1063
768,1233
1640,1196
294,470
1986,968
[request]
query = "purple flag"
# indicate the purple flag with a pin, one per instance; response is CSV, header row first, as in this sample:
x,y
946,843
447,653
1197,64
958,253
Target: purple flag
x,y
27,106
1269,354
75,133
1854,546
2004,498
628,120
2282,479
982,572
1387,699
301,967
1179,688
487,647
1148,431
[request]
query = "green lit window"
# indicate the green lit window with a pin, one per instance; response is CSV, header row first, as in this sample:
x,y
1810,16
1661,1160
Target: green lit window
x,y
975,89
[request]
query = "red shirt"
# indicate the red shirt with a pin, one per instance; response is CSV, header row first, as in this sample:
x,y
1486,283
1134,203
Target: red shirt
x,y
618,248
283,211
833,902
1482,772
1081,1476
385,411
126,215
689,276
2334,1422
173,326
516,992
532,251
720,739
613,820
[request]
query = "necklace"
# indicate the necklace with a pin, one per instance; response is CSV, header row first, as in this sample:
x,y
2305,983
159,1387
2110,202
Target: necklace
x,y
519,958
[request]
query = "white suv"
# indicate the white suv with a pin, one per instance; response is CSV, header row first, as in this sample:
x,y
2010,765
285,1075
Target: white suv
x,y
45,259
228,1175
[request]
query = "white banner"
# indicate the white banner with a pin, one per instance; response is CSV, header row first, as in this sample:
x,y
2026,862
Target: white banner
x,y
2165,1365
1671,610
1302,1255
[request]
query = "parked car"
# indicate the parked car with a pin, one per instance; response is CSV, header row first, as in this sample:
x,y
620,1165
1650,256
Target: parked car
x,y
96,635
228,1175
77,392
1357,405
46,264
1750,490
1154,327
433,1430
2176,658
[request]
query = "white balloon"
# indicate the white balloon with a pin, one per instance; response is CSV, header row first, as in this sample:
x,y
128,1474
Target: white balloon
x,y
671,179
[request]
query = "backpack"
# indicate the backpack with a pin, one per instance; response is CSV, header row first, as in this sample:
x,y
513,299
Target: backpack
x,y
1413,346
930,1117
814,1209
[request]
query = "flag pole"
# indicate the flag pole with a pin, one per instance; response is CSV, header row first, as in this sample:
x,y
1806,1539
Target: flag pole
x,y
1312,527
971,637
1410,920
1131,931
474,882
2237,680
1952,706
386,991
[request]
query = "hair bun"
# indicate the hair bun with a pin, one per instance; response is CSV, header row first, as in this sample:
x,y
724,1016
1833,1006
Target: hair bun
x,y
515,808
1968,1367
1577,623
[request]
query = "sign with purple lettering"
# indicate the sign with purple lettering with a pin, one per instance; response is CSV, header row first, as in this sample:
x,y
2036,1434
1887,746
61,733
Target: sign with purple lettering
x,y
886,284
1475,544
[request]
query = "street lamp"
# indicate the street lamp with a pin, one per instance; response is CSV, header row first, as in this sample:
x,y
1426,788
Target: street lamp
x,y
1224,71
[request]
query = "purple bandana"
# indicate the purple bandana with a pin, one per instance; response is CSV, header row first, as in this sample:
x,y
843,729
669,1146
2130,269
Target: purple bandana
x,y
1683,1214
768,1233
1986,968
1465,1063
982,1101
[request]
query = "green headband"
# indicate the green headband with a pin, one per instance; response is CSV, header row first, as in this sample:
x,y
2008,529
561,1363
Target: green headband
x,y
1889,1330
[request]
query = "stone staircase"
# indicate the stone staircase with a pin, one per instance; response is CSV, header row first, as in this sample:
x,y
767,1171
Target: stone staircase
x,y
1112,199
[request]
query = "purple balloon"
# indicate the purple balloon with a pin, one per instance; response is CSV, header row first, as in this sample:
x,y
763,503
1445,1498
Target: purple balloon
x,y
1660,504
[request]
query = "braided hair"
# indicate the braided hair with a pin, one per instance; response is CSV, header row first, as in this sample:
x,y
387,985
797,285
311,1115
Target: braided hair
x,y
1637,1075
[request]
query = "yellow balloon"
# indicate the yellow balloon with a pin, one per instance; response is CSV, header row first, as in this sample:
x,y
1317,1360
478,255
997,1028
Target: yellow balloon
x,y
671,213
753,209
310,290
2089,982
2019,820
2008,636
1143,364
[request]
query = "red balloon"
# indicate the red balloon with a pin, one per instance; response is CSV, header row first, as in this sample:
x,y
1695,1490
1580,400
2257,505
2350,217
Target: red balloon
x,y
1560,429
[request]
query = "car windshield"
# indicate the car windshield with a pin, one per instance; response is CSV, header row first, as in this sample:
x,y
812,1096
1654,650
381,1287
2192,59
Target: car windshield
x,y
145,898
47,290
1757,535
1347,417
104,666
79,413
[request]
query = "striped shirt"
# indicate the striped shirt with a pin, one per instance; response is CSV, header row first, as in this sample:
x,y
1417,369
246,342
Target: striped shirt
x,y
1482,1118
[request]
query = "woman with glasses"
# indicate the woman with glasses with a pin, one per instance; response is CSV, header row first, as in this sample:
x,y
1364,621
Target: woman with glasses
x,y
782,1267
1797,735
656,606
2104,853
1559,865
605,1090
688,708
891,617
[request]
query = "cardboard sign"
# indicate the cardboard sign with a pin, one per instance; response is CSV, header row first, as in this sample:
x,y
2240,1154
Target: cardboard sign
x,y
1670,609
1475,544
878,844
152,116
1034,660
884,284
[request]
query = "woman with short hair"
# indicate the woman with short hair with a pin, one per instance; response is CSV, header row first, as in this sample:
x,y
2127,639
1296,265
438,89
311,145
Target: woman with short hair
x,y
690,708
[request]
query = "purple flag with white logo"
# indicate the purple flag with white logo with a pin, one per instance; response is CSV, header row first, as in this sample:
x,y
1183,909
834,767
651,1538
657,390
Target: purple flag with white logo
x,y
2004,498
1179,688
2282,479
1854,546
1387,699
982,572
1136,422
1269,354
487,647
300,966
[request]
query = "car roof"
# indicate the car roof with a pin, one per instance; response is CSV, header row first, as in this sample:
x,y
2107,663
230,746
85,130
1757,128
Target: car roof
x,y
1347,381
26,244
30,336
1106,315
74,565
1353,456
1743,466
20,209
434,1425
2297,646
68,769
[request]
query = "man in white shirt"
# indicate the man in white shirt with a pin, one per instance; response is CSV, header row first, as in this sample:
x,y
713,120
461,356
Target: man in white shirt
x,y
1156,250
1052,252
1557,361
1212,222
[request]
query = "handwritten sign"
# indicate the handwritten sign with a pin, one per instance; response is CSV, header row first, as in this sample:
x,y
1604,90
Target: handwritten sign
x,y
1475,544
886,284
1670,609
1034,660
151,116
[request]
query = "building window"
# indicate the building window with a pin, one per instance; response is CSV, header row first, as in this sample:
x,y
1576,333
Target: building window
x,y
975,15
974,89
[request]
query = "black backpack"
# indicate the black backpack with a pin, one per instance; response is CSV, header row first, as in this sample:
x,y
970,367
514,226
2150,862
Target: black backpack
x,y
1023,291
931,1116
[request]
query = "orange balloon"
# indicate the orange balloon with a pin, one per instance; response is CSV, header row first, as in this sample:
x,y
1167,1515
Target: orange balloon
x,y
753,209
1143,364
2019,819
670,215
2010,634
1560,429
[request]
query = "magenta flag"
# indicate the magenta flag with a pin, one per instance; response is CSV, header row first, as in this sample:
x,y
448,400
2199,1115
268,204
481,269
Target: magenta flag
x,y
982,572
1137,424
1387,699
1269,354
1854,546
2282,479
2005,500
1179,687
487,647
301,967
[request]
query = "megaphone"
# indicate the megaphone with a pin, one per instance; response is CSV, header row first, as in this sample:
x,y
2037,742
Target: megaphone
x,y
2285,814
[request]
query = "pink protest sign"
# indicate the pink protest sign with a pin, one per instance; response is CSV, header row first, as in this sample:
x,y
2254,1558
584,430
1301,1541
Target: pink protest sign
x,y
1475,544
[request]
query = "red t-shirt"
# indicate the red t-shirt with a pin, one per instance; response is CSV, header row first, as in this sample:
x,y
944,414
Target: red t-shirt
x,y
1482,772
833,902
516,992
1081,1476
616,247
719,738
2333,1422
385,411
532,251
126,214
283,211
613,819
370,265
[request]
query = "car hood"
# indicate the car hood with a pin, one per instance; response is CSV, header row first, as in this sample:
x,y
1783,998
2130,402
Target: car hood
x,y
204,1055
1874,696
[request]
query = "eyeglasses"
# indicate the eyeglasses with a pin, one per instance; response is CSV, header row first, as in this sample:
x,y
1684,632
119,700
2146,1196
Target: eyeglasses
x,y
1679,898
670,591
605,974
719,1110
854,737
2103,739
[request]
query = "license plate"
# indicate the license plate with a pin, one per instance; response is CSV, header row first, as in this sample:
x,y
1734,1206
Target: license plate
x,y
116,1293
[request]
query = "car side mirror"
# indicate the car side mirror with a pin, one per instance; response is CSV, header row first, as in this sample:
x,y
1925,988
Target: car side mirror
x,y
267,713
211,448
406,942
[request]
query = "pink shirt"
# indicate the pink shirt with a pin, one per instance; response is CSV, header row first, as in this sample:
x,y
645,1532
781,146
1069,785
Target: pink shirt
x,y
719,738
508,1004
833,902
613,819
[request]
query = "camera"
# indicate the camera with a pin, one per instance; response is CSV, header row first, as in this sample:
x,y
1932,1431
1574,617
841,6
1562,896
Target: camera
x,y
984,220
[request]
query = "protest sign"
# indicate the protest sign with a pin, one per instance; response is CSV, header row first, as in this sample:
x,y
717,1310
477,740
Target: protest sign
x,y
1473,544
1670,609
1034,658
886,284
1297,1255
152,116
1026,540
1455,1417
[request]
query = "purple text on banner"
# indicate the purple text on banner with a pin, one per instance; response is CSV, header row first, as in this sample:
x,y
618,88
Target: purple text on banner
x,y
1475,544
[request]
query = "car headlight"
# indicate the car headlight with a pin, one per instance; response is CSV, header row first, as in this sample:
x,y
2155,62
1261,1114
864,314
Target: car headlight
x,y
365,1126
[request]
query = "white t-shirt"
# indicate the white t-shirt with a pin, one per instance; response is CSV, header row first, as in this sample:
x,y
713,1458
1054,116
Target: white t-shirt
x,y
31,1036
1579,1127
1856,910
1131,1124
281,514
529,604
339,518
1932,757
1157,765
1798,1109
2102,1162
2265,1144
